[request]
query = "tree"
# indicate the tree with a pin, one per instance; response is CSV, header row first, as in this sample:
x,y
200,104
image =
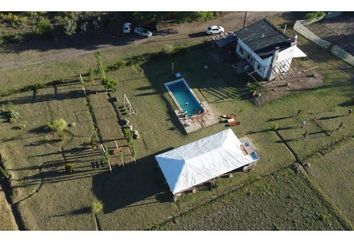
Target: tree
x,y
102,71
70,26
109,84
96,207
58,126
133,150
43,27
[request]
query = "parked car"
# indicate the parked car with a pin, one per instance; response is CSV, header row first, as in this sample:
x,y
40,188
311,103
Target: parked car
x,y
127,27
142,32
214,30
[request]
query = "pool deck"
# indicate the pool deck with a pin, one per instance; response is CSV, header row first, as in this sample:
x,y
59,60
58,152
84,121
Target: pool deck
x,y
208,118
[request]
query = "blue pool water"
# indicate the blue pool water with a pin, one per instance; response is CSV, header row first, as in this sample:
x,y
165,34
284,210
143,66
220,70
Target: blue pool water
x,y
185,99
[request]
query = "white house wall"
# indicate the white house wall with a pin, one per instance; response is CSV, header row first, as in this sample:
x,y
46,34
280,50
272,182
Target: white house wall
x,y
258,60
282,64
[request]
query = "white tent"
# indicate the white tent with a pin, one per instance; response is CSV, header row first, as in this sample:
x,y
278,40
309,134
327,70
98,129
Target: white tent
x,y
202,160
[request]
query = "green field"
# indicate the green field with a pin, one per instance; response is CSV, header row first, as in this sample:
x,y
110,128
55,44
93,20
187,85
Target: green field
x,y
134,195
334,175
263,205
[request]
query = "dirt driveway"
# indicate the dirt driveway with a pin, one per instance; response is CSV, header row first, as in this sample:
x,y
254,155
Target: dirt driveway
x,y
17,56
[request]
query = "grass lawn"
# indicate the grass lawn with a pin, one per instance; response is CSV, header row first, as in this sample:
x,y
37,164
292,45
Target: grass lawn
x,y
334,175
262,205
7,222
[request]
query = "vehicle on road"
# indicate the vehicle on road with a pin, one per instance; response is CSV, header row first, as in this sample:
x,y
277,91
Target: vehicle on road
x,y
214,30
127,27
142,32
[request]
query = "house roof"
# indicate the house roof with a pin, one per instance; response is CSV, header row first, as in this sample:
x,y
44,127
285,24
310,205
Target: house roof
x,y
263,38
202,160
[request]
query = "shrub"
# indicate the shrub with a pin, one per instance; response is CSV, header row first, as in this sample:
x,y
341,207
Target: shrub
x,y
275,127
127,134
69,167
115,66
132,149
314,15
70,26
58,126
96,207
101,69
43,27
109,84
168,49
9,113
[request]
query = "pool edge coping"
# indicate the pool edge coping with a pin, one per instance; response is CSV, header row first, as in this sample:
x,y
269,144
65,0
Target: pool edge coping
x,y
189,88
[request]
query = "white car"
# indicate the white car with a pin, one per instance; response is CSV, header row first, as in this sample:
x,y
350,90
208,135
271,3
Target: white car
x,y
142,32
214,30
127,27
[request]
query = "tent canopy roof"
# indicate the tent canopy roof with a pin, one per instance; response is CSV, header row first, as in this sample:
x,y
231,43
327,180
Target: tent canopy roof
x,y
202,160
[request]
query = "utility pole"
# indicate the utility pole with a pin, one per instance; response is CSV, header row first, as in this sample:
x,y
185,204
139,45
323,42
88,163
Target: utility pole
x,y
244,19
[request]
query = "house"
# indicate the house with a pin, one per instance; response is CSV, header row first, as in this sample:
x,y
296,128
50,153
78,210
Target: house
x,y
266,49
205,159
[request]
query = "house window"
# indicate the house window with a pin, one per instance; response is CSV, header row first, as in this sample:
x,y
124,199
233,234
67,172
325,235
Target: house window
x,y
241,51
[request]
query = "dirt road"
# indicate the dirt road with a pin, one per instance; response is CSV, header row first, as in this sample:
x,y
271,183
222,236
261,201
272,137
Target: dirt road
x,y
17,56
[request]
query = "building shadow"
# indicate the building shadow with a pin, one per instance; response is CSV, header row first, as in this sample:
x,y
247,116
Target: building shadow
x,y
132,185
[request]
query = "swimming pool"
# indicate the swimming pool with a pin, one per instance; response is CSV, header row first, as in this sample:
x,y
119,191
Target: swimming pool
x,y
184,97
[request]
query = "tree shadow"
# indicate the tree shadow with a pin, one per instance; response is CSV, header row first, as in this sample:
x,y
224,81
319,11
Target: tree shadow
x,y
331,117
132,185
280,118
89,42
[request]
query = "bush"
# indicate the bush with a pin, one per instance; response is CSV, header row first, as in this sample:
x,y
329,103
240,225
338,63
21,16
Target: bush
x,y
127,134
69,168
132,149
314,15
182,17
115,66
58,126
43,27
96,207
109,84
101,69
105,154
10,114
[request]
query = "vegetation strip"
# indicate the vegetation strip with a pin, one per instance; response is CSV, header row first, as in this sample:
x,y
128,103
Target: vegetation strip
x,y
215,198
335,211
317,190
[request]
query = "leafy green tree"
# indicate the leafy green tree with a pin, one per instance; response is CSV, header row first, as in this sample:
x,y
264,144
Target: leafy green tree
x,y
96,207
58,126
43,27
101,69
109,84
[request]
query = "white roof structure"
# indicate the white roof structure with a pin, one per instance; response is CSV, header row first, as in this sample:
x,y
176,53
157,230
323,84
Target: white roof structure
x,y
202,160
298,53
